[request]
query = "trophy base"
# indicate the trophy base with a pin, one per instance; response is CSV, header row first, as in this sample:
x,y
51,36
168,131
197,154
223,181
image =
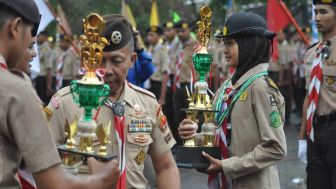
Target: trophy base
x,y
192,158
103,158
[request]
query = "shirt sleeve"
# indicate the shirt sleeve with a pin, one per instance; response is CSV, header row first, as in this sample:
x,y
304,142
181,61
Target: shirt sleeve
x,y
30,133
57,120
273,148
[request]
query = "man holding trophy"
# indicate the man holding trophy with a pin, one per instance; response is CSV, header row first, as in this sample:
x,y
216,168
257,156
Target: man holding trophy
x,y
249,111
131,120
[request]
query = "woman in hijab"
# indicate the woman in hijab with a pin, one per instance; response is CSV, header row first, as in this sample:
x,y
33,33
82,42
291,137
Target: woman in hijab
x,y
250,122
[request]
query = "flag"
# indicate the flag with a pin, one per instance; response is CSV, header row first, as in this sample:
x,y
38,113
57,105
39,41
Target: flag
x,y
154,17
230,8
62,20
277,19
46,18
314,28
176,18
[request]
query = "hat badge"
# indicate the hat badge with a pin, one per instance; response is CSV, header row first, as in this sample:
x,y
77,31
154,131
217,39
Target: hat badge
x,y
225,31
116,37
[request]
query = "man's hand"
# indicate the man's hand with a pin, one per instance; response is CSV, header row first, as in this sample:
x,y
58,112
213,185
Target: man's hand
x,y
302,152
187,129
107,172
215,165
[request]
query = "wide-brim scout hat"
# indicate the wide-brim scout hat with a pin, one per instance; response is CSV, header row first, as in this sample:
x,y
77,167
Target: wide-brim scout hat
x,y
155,29
245,24
327,2
27,9
117,31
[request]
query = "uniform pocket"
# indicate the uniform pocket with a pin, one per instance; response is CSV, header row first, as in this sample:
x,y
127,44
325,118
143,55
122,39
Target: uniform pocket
x,y
329,77
136,149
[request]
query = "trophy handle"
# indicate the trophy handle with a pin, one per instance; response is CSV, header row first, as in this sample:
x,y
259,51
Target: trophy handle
x,y
105,92
74,91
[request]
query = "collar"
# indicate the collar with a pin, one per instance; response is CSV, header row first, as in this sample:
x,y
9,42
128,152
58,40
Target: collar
x,y
127,94
253,71
3,62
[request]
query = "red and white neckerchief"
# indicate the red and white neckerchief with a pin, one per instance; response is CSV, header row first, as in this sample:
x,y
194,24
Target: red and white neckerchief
x,y
218,180
3,65
179,60
314,89
26,179
59,69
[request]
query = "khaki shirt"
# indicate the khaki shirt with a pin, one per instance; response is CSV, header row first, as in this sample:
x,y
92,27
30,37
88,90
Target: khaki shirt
x,y
257,142
44,52
172,53
327,96
71,63
160,59
284,53
159,138
187,64
24,134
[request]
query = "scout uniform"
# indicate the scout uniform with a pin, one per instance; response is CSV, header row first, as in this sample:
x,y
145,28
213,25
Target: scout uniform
x,y
69,64
22,123
321,140
172,47
184,71
147,131
145,126
160,59
256,142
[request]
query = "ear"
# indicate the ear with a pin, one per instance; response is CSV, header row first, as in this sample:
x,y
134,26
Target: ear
x,y
134,56
14,27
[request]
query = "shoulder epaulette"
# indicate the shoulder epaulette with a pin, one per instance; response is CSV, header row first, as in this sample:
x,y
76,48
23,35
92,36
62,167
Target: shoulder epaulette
x,y
313,45
141,90
271,83
64,91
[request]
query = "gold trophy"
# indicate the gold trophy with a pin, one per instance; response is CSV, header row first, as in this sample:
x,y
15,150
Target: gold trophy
x,y
89,92
190,154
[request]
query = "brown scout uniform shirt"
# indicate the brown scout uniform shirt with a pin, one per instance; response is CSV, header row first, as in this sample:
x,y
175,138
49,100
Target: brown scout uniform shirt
x,y
44,52
327,96
187,64
160,59
24,134
71,63
172,53
159,137
257,144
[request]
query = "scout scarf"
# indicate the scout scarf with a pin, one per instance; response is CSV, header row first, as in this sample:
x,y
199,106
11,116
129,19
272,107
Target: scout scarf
x,y
224,104
322,52
3,65
119,125
179,60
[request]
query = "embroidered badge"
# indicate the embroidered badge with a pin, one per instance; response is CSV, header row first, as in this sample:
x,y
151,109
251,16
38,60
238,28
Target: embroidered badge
x,y
142,125
243,96
330,80
163,123
54,103
331,62
47,112
116,37
168,137
275,119
225,31
140,157
141,139
137,112
273,101
272,84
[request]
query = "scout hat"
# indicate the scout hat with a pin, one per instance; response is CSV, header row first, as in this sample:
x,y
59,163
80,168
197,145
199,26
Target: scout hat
x,y
26,9
155,29
182,24
247,24
327,2
168,24
63,37
117,31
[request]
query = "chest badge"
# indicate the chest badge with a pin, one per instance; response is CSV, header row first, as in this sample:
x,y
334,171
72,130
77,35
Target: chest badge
x,y
243,96
330,80
137,112
141,139
163,123
140,158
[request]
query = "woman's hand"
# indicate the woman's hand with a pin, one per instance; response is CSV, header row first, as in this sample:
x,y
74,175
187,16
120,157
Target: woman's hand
x,y
187,129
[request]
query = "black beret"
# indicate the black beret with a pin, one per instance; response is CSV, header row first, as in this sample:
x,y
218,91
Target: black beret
x,y
247,24
328,2
182,24
168,24
27,9
155,29
64,37
117,31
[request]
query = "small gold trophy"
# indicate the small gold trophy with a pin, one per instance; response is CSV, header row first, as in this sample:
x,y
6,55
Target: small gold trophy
x,y
190,155
89,92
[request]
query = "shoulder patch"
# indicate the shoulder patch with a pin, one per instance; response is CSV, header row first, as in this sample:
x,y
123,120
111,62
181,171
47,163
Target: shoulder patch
x,y
141,90
271,83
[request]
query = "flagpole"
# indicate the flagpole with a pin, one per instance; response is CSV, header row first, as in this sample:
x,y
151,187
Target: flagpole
x,y
62,28
292,19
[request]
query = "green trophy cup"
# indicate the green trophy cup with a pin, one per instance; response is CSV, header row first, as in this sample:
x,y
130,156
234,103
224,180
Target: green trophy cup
x,y
89,93
190,154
